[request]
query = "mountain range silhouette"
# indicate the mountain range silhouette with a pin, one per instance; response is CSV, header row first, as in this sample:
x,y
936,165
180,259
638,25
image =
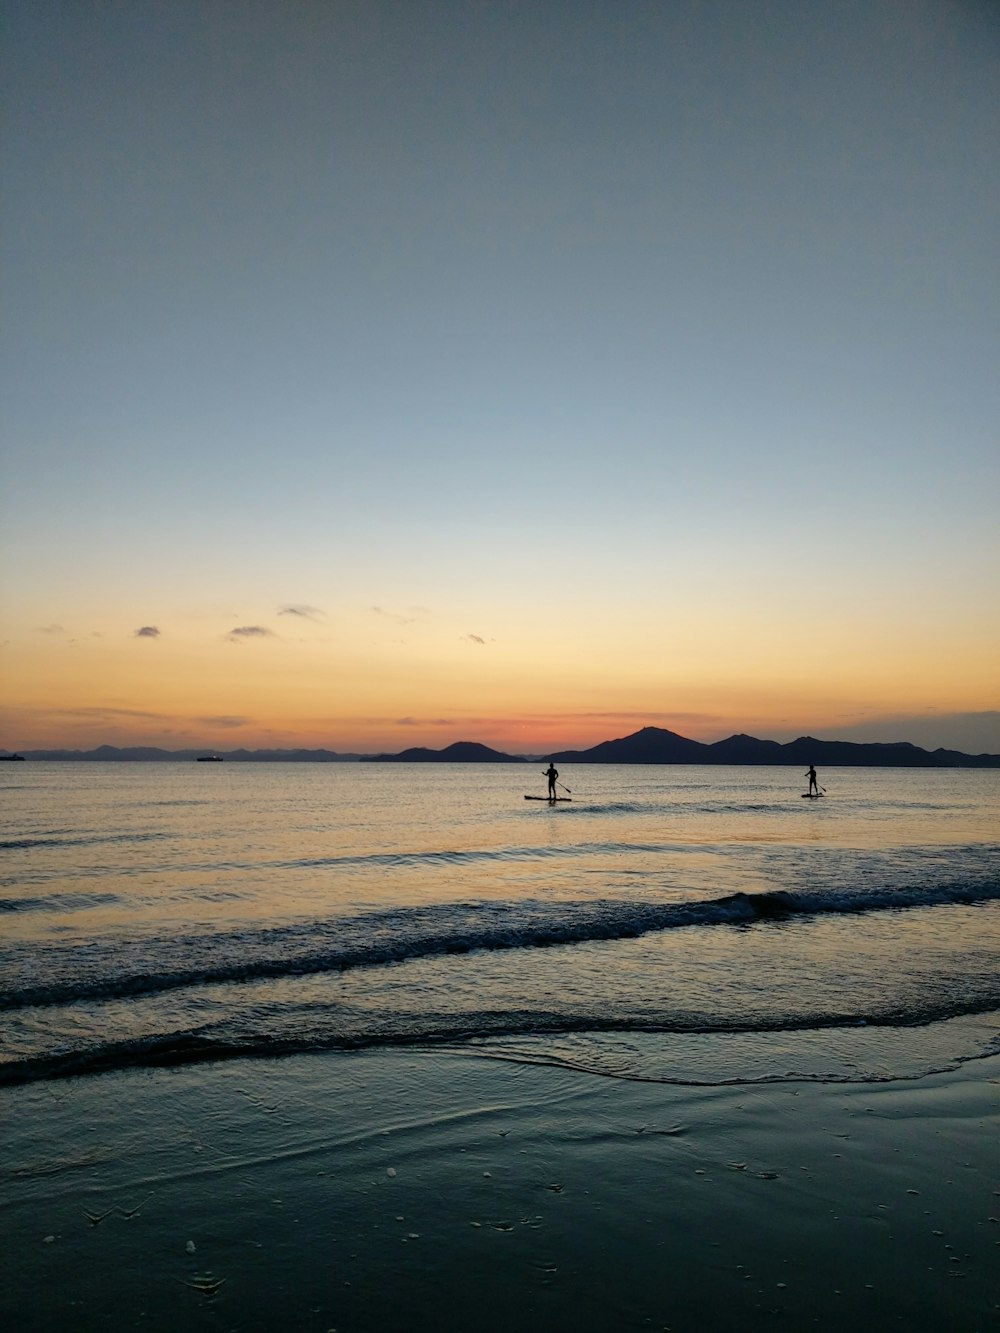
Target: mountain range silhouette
x,y
649,745
656,745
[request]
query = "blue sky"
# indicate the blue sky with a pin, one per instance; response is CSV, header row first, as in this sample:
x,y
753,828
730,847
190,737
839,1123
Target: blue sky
x,y
655,337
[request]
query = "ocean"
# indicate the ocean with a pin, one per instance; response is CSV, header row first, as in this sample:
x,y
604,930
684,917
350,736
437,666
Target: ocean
x,y
687,925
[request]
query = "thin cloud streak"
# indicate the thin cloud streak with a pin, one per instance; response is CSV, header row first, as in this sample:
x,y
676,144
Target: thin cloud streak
x,y
100,711
409,617
970,733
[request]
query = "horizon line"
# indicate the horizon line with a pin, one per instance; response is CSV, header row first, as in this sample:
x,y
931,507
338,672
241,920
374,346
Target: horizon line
x,y
40,752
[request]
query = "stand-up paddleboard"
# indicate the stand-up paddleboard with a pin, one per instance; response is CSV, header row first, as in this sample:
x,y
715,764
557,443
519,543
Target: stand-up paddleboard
x,y
550,799
812,795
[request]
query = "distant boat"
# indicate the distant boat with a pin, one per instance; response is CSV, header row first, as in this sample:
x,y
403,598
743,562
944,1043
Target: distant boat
x,y
209,759
12,756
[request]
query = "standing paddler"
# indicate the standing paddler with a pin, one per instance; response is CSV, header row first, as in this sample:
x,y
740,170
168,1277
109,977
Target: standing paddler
x,y
552,773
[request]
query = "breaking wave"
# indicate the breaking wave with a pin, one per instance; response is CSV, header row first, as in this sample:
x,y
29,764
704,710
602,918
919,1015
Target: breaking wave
x,y
377,939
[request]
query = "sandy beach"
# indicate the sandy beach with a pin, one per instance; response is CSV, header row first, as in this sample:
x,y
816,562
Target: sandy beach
x,y
443,1191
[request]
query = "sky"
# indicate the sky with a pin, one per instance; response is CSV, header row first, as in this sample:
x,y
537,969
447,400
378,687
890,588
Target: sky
x,y
380,373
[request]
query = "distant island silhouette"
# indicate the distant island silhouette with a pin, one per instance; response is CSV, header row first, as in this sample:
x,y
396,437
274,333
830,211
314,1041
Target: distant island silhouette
x,y
656,745
650,745
461,752
154,754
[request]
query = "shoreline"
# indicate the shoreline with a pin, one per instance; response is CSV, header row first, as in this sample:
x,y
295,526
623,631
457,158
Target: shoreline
x,y
420,1189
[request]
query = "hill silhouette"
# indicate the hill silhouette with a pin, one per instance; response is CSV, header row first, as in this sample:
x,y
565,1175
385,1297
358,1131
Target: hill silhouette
x,y
656,745
461,752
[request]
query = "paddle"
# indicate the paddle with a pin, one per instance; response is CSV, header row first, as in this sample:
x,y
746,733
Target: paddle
x,y
559,784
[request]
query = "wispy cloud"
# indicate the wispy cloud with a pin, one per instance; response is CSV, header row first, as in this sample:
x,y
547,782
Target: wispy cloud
x,y
100,711
971,733
242,632
408,617
106,712
394,616
50,629
645,717
303,612
424,722
147,632
473,638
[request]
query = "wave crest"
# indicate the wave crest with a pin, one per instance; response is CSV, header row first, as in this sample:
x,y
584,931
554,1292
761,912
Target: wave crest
x,y
382,938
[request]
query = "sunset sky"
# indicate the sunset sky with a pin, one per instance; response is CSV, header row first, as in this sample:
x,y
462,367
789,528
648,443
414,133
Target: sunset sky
x,y
389,373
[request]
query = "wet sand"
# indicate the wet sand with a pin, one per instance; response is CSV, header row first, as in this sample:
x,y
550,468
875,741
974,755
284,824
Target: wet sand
x,y
431,1191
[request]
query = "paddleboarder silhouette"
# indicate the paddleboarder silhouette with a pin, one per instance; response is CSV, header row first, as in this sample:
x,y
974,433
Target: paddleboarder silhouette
x,y
552,773
813,784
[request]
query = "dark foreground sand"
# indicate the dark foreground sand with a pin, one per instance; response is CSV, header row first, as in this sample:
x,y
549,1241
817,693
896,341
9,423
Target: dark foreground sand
x,y
441,1192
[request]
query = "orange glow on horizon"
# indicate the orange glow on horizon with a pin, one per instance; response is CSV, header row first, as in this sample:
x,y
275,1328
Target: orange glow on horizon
x,y
382,683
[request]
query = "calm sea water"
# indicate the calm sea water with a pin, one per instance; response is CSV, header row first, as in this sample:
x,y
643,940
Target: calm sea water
x,y
689,924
